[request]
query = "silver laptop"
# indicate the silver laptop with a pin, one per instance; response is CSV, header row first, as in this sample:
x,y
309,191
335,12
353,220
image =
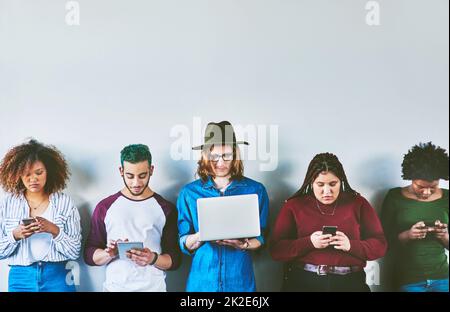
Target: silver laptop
x,y
228,217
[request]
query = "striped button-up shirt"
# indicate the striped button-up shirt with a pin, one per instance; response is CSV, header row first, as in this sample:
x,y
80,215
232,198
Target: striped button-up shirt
x,y
65,246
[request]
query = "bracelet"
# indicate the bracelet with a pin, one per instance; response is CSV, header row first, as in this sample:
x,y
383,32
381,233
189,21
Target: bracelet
x,y
154,259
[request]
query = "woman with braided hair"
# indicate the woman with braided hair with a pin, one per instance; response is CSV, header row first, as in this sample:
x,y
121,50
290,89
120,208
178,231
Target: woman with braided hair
x,y
326,232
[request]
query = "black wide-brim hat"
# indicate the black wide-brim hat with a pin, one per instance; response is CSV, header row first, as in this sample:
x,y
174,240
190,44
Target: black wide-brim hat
x,y
221,133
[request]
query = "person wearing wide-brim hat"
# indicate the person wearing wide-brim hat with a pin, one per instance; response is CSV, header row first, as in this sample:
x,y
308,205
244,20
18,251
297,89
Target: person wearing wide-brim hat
x,y
224,265
221,133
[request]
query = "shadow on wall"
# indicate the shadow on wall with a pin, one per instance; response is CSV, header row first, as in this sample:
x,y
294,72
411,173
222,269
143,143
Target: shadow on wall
x,y
82,177
86,283
263,263
380,174
179,174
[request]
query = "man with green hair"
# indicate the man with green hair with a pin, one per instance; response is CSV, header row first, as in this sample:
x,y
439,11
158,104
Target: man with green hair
x,y
135,214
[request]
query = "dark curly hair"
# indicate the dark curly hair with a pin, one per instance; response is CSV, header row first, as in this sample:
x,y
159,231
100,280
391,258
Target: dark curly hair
x,y
425,161
20,158
325,162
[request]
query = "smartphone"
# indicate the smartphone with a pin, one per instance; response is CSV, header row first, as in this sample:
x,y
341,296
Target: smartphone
x,y
430,223
28,221
329,229
123,247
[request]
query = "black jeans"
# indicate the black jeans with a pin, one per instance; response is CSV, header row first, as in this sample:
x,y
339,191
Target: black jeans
x,y
297,279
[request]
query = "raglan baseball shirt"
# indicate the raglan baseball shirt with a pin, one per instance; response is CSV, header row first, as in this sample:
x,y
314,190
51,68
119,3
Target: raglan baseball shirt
x,y
152,221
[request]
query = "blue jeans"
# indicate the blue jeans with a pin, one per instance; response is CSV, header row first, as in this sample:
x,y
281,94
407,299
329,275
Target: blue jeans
x,y
39,277
427,286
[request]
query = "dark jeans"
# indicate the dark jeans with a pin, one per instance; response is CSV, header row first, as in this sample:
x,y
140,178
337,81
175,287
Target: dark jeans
x,y
297,279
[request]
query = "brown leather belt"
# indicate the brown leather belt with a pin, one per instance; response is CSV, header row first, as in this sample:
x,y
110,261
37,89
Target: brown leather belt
x,y
331,269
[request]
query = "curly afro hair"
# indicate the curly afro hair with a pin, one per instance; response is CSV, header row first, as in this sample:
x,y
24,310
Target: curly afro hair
x,y
21,157
425,161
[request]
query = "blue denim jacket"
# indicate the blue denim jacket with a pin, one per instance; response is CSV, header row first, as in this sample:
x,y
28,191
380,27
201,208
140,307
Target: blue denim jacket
x,y
214,267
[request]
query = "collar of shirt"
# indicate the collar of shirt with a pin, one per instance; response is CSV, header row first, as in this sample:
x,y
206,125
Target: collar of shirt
x,y
234,184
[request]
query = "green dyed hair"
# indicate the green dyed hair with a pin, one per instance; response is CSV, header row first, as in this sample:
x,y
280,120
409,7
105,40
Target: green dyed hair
x,y
136,153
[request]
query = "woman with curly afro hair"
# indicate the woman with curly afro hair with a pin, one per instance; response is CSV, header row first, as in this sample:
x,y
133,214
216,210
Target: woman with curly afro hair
x,y
39,225
415,220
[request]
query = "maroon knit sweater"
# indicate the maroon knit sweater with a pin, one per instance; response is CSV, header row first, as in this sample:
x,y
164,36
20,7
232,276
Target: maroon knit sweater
x,y
354,216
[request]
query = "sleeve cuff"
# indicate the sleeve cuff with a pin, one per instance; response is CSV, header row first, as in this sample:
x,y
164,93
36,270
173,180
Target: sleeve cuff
x,y
261,240
183,246
11,238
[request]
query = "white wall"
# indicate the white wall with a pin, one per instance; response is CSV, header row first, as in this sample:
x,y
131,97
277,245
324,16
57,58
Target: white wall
x,y
131,71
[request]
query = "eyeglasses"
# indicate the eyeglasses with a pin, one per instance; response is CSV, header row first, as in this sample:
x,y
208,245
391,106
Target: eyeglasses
x,y
216,157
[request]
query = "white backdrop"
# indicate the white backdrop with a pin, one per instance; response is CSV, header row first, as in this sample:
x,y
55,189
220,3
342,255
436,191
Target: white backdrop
x,y
132,71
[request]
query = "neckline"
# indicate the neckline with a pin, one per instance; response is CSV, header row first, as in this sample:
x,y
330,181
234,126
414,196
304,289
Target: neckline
x,y
443,195
209,183
223,189
326,206
47,212
137,200
49,206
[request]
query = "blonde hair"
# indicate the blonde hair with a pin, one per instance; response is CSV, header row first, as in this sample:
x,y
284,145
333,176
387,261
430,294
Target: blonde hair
x,y
205,169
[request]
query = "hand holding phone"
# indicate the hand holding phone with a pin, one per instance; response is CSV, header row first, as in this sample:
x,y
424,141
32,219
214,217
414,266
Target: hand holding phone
x,y
25,229
340,241
112,249
441,231
417,231
429,225
439,225
28,221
